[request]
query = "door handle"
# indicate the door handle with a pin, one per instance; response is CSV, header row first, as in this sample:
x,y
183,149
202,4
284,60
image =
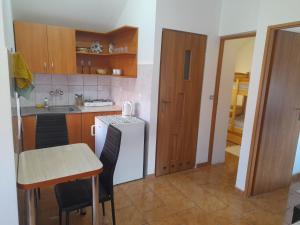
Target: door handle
x,y
296,108
93,130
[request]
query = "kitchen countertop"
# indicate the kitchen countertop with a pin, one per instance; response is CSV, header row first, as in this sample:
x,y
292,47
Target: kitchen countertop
x,y
28,111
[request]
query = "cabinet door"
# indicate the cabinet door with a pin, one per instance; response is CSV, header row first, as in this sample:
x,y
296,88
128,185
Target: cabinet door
x,y
31,42
28,132
88,120
74,128
62,50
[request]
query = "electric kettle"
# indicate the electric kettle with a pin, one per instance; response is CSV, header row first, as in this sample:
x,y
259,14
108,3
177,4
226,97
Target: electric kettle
x,y
128,108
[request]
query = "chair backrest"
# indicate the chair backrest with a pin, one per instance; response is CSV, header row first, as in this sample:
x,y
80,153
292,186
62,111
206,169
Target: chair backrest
x,y
51,130
109,157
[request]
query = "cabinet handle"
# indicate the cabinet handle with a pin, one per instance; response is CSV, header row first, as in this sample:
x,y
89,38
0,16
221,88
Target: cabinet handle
x,y
52,64
93,130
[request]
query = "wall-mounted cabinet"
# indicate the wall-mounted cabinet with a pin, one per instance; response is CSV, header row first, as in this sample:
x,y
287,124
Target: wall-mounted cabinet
x,y
60,50
46,49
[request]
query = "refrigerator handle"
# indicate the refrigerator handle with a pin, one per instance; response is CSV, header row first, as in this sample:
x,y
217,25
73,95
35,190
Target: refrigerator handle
x,y
93,130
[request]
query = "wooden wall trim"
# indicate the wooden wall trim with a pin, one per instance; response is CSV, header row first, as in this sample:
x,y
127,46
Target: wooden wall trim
x,y
261,102
217,86
239,35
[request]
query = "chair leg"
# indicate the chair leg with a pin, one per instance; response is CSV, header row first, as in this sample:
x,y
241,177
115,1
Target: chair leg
x,y
113,211
67,218
35,198
39,193
60,217
103,208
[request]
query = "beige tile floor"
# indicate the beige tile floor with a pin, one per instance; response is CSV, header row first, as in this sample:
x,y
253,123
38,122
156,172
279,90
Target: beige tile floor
x,y
204,196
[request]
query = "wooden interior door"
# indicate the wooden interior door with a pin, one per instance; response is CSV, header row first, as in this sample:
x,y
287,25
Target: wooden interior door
x,y
62,50
31,42
281,125
181,75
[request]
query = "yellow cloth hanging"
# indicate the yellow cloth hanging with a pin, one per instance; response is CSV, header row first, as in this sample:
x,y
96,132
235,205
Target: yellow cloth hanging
x,y
22,74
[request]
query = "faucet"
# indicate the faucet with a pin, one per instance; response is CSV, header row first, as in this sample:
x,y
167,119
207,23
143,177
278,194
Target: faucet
x,y
56,92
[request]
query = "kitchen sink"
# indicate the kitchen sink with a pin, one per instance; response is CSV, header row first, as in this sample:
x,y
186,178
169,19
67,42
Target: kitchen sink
x,y
63,109
51,109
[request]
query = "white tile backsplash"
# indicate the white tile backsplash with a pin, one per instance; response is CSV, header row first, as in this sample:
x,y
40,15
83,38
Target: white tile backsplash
x,y
90,92
137,90
59,80
93,87
42,79
75,80
104,92
62,99
90,80
104,80
30,101
74,89
41,92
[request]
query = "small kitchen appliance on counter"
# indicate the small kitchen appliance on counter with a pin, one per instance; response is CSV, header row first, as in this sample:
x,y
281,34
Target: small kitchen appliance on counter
x,y
130,165
128,109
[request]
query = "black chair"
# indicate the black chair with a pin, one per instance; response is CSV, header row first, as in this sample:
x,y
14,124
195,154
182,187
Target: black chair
x,y
296,214
77,195
51,131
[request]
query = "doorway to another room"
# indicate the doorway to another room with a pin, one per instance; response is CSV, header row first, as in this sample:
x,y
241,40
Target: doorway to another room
x,y
231,93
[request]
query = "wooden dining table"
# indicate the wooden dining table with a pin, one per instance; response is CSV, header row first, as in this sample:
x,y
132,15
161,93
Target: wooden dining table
x,y
50,166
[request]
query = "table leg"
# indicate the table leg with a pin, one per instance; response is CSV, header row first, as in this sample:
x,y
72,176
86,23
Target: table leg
x,y
95,189
31,216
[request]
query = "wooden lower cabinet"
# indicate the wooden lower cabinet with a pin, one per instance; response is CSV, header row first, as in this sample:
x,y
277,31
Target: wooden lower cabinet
x,y
28,132
74,128
88,120
79,128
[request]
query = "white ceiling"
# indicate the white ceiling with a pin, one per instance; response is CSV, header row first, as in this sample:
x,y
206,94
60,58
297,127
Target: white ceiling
x,y
98,15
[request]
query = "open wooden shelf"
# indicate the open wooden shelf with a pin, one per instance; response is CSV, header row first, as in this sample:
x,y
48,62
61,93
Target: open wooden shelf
x,y
122,37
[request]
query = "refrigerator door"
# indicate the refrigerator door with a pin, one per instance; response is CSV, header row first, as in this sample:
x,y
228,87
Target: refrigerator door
x,y
100,131
130,164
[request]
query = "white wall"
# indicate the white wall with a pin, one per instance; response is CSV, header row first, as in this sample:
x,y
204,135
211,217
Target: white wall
x,y
270,12
140,13
244,56
8,194
233,50
296,169
199,16
238,16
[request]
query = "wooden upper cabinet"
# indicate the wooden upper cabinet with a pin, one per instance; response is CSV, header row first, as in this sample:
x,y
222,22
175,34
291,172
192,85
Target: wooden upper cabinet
x,y
46,49
61,49
31,42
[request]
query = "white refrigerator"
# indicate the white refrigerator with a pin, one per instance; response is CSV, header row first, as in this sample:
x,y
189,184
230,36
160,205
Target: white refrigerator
x,y
130,164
